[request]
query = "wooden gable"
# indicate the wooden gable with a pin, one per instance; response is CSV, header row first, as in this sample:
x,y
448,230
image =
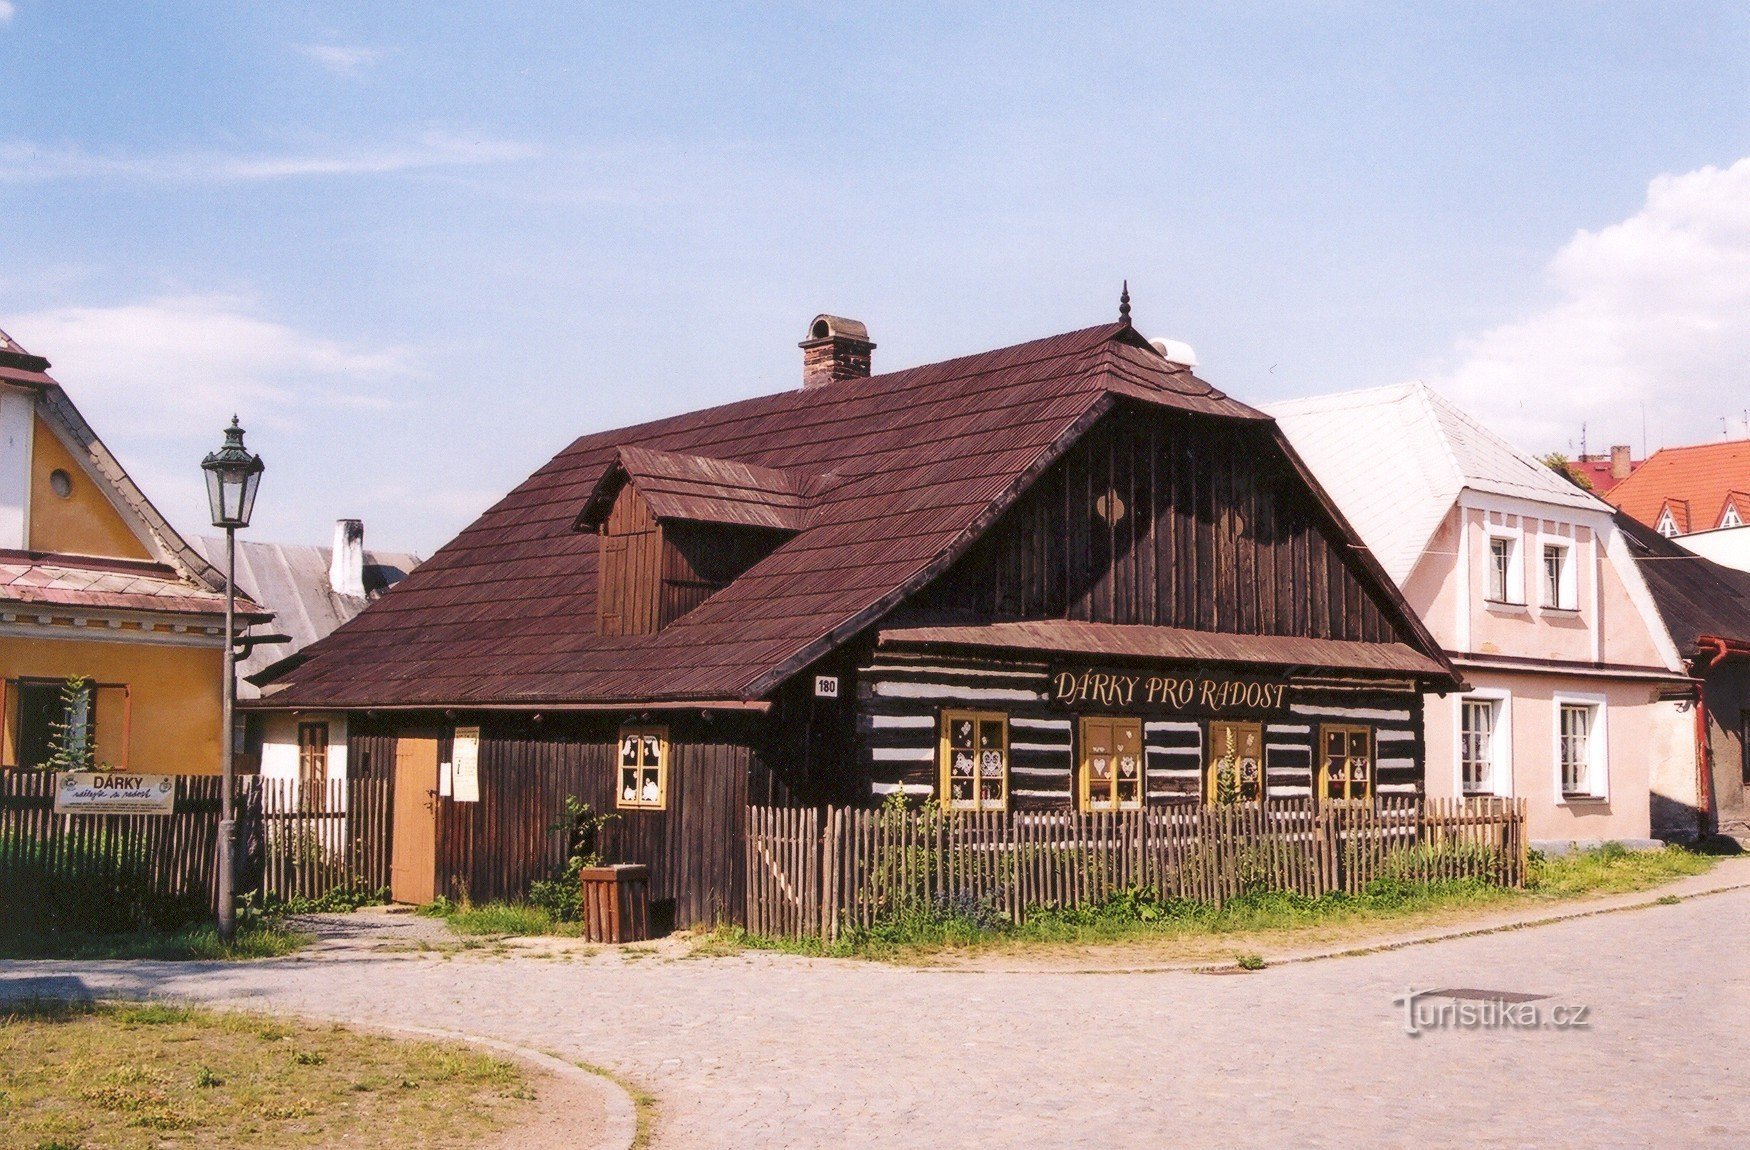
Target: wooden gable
x,y
1172,520
651,571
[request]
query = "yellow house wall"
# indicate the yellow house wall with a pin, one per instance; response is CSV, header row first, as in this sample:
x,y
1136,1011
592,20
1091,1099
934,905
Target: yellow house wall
x,y
174,720
85,522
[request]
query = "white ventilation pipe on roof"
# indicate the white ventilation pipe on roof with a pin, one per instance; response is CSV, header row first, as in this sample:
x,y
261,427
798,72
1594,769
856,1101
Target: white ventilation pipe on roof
x,y
346,566
1175,351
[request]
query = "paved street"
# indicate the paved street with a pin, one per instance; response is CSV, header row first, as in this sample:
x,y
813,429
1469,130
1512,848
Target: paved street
x,y
779,1052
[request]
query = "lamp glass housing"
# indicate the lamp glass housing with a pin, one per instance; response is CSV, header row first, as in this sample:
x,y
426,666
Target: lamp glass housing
x,y
233,474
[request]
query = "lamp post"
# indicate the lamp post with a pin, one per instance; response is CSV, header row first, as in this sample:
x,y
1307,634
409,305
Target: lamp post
x,y
232,477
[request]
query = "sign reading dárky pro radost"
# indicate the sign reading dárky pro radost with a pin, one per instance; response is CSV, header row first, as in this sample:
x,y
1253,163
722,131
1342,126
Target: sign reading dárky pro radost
x,y
1201,693
114,793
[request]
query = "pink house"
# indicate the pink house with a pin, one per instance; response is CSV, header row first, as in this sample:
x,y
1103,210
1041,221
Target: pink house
x,y
1578,698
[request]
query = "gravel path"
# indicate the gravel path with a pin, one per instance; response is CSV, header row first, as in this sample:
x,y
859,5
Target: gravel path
x,y
784,1052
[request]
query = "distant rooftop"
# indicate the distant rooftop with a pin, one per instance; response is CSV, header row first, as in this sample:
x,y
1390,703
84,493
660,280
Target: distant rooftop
x,y
1696,484
292,581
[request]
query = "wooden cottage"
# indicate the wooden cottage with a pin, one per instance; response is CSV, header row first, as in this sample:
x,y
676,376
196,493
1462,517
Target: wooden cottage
x,y
1067,573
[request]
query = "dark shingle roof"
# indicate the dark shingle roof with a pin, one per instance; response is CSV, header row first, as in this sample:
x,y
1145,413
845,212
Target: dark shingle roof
x,y
1128,641
914,464
1695,595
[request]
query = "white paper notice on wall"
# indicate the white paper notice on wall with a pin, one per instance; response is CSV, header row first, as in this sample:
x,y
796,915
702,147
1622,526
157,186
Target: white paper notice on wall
x,y
444,775
465,750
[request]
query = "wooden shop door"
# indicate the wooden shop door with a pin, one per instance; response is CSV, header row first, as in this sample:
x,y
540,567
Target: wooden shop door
x,y
413,853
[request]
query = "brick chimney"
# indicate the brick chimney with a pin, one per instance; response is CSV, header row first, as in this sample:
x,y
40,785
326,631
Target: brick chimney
x,y
1619,461
836,348
346,567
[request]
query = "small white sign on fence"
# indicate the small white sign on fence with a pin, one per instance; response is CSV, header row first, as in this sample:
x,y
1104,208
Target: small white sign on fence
x,y
114,793
465,751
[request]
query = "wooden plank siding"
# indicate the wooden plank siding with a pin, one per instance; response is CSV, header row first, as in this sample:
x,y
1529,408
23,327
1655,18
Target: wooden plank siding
x,y
652,572
494,848
628,596
901,695
1171,520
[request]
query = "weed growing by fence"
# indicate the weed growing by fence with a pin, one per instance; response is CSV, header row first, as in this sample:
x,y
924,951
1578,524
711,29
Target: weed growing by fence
x,y
260,939
560,897
1140,915
1612,869
336,900
95,883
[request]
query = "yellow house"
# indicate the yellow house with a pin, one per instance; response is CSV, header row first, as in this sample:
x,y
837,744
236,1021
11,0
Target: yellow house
x,y
95,583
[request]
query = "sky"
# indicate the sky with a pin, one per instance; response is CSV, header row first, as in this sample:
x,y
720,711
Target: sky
x,y
419,248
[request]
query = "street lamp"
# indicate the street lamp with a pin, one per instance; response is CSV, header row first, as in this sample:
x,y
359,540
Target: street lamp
x,y
232,477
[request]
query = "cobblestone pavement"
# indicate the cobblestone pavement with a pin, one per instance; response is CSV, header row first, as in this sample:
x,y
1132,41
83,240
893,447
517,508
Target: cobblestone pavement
x,y
780,1052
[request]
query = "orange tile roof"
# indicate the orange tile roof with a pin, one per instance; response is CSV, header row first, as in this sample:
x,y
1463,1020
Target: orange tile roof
x,y
1701,476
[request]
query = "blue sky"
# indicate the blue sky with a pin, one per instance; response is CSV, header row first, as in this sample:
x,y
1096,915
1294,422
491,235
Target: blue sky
x,y
421,247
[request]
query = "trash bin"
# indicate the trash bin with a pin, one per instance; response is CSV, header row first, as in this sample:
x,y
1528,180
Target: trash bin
x,y
616,902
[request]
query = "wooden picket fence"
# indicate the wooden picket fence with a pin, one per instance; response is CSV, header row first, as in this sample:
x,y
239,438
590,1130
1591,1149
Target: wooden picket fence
x,y
813,872
174,855
292,840
318,838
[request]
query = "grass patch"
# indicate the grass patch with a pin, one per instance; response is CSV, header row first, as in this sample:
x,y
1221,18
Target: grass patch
x,y
263,939
1259,921
155,1075
1612,869
500,918
643,1104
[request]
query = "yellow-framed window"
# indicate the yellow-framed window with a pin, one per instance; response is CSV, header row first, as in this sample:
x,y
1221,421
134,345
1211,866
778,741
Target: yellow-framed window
x,y
1113,775
975,760
1345,762
1235,771
642,782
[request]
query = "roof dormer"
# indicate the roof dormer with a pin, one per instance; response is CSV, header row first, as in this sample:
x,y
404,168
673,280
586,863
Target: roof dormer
x,y
1735,512
675,529
1673,518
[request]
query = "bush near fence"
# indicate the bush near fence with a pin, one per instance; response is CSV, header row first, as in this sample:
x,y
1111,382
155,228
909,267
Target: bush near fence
x,y
816,872
112,874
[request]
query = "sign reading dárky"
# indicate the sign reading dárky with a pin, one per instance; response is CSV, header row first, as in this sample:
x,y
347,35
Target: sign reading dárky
x,y
1201,694
114,793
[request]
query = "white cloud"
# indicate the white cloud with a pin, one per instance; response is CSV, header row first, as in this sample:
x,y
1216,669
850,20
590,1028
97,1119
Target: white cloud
x,y
7,11
172,368
160,378
1652,311
342,59
23,162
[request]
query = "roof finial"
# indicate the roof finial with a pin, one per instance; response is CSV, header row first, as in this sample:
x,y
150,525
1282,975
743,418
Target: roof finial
x,y
1124,305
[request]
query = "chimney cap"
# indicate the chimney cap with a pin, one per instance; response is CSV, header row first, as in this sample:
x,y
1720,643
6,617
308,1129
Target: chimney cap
x,y
836,327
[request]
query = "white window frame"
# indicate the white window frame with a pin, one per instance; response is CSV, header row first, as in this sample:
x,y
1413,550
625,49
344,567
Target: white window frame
x,y
1597,747
1501,744
1667,525
1515,589
1567,580
1729,517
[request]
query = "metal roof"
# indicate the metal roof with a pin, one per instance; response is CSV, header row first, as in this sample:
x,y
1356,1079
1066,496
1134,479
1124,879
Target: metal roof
x,y
1696,596
291,580
1397,458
